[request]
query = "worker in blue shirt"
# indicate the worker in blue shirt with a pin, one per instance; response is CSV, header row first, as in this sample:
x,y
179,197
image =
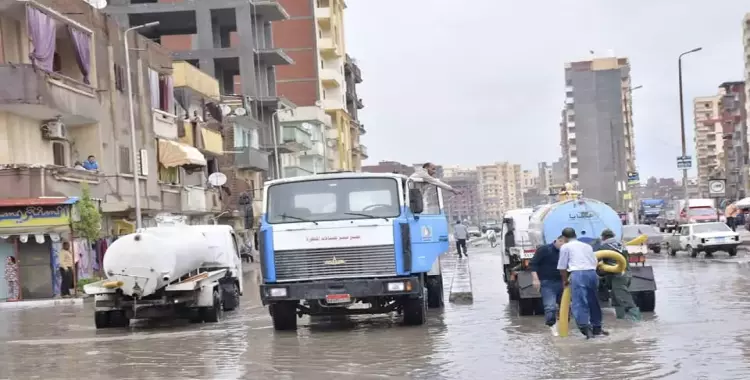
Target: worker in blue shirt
x,y
547,281
90,164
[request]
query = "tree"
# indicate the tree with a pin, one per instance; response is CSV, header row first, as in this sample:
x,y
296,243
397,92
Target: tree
x,y
90,220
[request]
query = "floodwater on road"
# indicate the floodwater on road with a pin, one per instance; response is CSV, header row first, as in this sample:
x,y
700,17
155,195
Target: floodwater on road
x,y
700,330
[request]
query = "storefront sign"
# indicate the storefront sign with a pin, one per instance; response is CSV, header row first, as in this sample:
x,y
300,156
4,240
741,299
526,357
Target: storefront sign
x,y
34,216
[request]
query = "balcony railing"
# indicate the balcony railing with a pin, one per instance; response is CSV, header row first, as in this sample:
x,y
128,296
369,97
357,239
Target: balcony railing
x,y
331,78
294,137
193,200
296,171
186,75
251,159
363,150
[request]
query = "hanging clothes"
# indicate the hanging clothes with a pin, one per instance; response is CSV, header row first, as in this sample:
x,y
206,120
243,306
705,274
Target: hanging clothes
x,y
54,260
82,257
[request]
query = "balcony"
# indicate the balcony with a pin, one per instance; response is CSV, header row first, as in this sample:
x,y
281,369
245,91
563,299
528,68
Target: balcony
x,y
331,78
273,57
40,95
331,105
213,201
323,15
296,171
294,139
251,159
363,151
210,141
268,10
188,76
317,149
362,129
165,124
193,200
329,48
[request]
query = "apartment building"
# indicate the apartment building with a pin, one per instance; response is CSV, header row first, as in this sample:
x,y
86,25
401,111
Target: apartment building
x,y
499,188
312,124
353,77
746,44
232,42
735,143
529,180
596,131
66,100
467,204
709,142
389,167
544,177
313,37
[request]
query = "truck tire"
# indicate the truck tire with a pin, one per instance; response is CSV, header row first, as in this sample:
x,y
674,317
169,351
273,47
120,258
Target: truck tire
x,y
101,319
672,250
415,310
732,251
435,293
646,301
691,251
117,318
231,295
284,315
213,313
526,306
657,249
514,293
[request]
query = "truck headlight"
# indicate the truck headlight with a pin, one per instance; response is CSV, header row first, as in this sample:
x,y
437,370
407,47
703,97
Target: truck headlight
x,y
277,292
396,286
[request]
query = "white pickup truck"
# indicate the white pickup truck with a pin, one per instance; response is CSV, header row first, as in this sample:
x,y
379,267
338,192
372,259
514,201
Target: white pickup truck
x,y
706,237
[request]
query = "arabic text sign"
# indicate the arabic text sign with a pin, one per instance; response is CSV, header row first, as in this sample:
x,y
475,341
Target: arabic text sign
x,y
581,215
34,216
333,238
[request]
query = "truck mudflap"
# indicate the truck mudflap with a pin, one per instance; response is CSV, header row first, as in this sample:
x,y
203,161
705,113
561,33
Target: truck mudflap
x,y
354,288
525,287
642,279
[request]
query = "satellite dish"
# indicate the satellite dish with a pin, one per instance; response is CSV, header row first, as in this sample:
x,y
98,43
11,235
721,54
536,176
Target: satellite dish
x,y
97,4
217,179
240,111
225,110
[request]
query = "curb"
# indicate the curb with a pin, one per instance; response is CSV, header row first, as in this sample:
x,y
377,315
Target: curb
x,y
42,303
461,291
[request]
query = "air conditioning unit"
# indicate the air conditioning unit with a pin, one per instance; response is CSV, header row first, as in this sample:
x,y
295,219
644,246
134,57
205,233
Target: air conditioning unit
x,y
54,130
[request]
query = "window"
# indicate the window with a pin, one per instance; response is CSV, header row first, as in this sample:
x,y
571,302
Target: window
x,y
58,154
161,87
212,166
333,199
119,77
125,167
244,138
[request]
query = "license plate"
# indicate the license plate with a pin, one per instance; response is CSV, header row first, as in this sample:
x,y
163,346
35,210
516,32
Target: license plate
x,y
527,255
719,239
338,298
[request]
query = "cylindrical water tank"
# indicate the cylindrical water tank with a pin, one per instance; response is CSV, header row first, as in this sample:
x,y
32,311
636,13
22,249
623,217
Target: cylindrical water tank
x,y
150,259
588,217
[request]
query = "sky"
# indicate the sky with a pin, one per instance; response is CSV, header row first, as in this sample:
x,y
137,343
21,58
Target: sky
x,y
482,81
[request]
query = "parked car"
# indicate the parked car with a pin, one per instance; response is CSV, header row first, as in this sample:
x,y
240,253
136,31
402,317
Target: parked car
x,y
706,237
655,238
666,221
474,231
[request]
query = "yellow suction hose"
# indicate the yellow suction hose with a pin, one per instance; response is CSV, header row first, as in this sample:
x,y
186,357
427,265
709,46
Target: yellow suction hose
x,y
562,323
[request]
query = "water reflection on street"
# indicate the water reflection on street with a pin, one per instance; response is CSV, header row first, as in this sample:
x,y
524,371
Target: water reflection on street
x,y
700,330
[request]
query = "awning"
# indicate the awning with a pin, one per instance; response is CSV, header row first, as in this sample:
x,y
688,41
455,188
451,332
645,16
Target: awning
x,y
172,153
212,141
42,201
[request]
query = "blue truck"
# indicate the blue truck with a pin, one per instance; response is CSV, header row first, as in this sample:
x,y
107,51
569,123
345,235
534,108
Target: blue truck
x,y
351,243
650,209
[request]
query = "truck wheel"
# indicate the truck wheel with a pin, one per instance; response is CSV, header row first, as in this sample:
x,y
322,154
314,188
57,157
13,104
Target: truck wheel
x,y
415,310
646,301
657,249
435,293
231,295
732,251
213,313
513,291
101,319
691,251
117,318
526,306
284,315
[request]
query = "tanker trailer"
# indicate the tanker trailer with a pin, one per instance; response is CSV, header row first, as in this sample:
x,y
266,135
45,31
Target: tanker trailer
x,y
175,271
588,217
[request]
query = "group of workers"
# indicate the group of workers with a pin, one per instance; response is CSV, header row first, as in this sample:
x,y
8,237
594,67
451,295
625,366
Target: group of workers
x,y
570,262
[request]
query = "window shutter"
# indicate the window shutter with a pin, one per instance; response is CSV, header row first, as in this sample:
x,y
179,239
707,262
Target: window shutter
x,y
143,163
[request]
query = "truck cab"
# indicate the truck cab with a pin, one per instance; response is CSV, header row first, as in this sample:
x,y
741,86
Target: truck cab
x,y
331,243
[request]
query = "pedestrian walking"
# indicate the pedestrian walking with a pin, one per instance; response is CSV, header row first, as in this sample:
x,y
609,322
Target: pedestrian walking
x,y
547,281
731,213
65,264
577,266
461,233
492,238
11,277
622,300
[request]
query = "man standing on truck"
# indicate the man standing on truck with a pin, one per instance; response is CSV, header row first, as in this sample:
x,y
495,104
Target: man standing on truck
x,y
547,281
461,233
577,266
427,174
622,300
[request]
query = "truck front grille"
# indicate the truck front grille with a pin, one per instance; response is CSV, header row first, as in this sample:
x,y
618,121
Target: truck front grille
x,y
329,263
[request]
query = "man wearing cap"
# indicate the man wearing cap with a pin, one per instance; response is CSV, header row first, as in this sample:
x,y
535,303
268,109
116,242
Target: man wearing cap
x,y
622,300
577,266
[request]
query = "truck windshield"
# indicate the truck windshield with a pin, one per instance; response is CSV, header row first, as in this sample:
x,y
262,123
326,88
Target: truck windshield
x,y
333,199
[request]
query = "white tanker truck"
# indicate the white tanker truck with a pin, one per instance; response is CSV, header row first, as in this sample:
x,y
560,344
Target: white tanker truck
x,y
173,270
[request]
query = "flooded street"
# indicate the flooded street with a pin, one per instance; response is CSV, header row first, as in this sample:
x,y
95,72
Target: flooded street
x,y
700,330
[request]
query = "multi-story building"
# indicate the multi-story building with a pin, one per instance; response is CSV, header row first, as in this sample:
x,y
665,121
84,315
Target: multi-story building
x,y
232,42
314,38
597,129
529,180
734,128
466,205
311,124
544,177
559,175
499,189
389,167
709,142
65,102
746,44
353,76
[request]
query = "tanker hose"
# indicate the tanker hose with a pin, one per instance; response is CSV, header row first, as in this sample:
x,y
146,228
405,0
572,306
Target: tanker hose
x,y
562,323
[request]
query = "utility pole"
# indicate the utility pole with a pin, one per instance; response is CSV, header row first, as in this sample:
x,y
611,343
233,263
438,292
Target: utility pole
x,y
682,122
635,188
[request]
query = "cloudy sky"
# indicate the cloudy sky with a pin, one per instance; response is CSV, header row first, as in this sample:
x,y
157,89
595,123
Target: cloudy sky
x,y
483,82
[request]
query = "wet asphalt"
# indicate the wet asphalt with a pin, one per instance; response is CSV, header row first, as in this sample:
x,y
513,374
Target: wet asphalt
x,y
700,330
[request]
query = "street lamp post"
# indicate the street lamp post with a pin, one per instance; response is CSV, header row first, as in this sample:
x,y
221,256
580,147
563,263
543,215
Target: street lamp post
x,y
635,188
682,121
133,143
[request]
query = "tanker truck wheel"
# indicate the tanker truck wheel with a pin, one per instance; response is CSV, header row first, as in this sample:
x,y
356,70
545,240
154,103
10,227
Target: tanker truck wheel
x,y
101,319
646,301
435,292
213,313
231,294
284,315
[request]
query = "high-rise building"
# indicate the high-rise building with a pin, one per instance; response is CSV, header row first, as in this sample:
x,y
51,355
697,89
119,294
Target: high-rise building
x,y
499,188
746,43
598,141
466,205
322,76
544,177
529,180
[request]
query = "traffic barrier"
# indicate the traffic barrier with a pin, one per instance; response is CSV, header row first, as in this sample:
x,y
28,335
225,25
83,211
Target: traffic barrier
x,y
461,289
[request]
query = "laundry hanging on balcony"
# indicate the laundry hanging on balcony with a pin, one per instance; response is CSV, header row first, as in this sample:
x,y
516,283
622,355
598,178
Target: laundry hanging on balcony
x,y
172,154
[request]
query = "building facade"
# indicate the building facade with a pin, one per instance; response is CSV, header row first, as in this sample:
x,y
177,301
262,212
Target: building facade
x,y
466,205
499,189
353,77
735,143
597,133
709,142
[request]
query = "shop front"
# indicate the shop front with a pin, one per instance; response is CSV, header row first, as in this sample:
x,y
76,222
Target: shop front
x,y
31,232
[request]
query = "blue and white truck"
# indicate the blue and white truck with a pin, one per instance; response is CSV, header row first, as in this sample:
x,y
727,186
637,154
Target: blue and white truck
x,y
650,210
351,243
